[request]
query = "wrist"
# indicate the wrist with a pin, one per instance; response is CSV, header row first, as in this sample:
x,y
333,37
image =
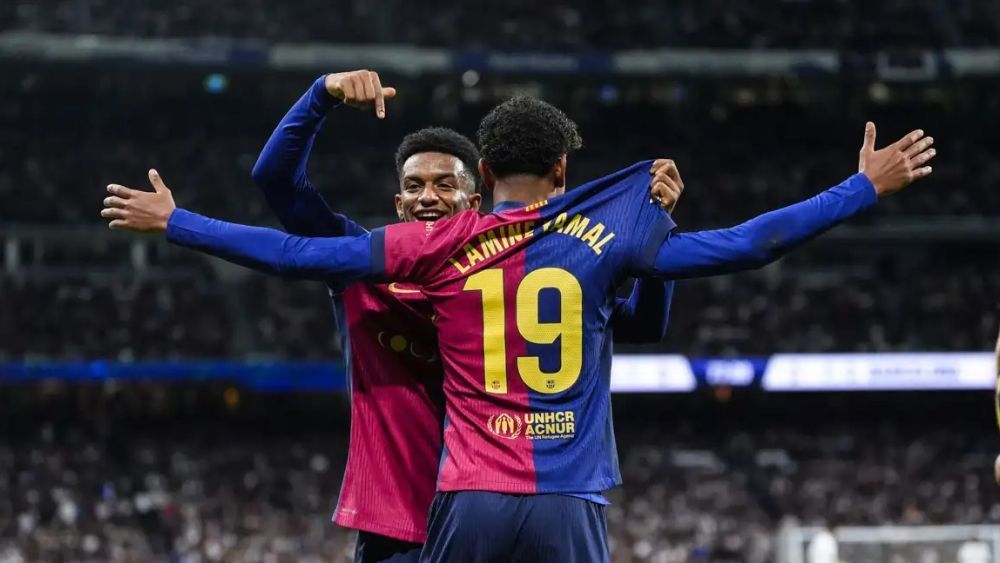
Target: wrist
x,y
875,183
163,225
325,93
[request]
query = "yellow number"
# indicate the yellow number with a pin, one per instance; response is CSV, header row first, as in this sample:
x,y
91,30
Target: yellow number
x,y
490,284
568,330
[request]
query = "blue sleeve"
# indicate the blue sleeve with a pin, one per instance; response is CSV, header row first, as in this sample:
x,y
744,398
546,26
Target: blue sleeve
x,y
344,259
763,239
280,171
642,318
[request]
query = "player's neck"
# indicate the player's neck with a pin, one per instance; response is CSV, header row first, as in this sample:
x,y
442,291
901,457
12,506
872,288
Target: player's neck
x,y
523,189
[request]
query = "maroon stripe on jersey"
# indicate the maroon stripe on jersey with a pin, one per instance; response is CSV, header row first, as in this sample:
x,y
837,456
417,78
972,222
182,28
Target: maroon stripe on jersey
x,y
505,462
397,410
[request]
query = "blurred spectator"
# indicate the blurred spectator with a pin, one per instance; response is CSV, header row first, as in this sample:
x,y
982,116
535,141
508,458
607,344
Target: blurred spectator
x,y
107,477
523,24
123,319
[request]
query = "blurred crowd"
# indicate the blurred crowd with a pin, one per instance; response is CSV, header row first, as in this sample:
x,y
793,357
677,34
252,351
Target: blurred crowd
x,y
692,494
742,148
590,25
188,486
937,303
122,318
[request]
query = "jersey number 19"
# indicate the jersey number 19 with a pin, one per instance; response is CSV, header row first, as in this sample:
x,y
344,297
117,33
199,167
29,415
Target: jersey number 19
x,y
568,330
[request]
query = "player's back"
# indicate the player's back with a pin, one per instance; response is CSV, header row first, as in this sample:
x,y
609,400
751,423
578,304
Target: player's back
x,y
522,300
397,409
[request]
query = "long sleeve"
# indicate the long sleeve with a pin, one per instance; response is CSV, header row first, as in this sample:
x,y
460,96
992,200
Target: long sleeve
x,y
763,239
643,317
344,259
280,171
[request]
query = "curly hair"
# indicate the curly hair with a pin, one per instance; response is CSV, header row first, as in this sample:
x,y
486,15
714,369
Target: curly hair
x,y
444,140
526,136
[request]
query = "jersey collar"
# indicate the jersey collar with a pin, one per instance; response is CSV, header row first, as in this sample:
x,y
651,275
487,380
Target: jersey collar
x,y
507,206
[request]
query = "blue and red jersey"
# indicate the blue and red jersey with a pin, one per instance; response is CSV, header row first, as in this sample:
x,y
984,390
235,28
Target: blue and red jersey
x,y
390,345
523,299
390,348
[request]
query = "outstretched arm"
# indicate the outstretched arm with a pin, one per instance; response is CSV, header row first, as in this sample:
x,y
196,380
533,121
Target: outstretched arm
x,y
763,239
343,259
280,172
766,238
339,259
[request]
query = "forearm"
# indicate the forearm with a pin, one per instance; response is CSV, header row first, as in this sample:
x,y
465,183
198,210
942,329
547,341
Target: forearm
x,y
343,259
643,317
283,160
280,172
763,239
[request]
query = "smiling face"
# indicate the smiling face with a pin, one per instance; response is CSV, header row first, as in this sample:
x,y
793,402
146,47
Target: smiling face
x,y
433,185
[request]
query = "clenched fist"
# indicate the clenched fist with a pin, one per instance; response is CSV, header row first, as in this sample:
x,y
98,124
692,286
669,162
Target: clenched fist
x,y
666,186
360,88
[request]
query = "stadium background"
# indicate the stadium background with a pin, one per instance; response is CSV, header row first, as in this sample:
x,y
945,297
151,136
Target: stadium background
x,y
156,405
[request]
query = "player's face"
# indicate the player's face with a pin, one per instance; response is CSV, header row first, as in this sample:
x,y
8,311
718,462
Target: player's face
x,y
433,185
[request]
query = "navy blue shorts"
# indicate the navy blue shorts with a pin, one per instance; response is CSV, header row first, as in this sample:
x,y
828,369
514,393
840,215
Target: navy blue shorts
x,y
485,527
376,548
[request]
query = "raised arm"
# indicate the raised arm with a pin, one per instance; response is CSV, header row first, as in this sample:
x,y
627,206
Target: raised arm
x,y
763,239
280,171
766,238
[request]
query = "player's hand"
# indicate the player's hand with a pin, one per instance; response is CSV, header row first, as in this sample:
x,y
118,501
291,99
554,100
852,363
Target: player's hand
x,y
139,211
666,186
896,166
360,88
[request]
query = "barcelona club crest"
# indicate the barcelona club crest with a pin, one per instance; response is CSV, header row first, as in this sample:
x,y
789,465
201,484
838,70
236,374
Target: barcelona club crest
x,y
505,425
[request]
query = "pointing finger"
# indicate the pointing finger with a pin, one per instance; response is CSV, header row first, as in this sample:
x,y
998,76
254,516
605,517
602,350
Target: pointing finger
x,y
378,93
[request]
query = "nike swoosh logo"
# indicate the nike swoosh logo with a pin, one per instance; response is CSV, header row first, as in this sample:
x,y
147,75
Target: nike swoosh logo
x,y
393,288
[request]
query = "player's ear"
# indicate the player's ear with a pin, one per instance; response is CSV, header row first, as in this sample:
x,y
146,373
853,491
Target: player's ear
x,y
489,180
399,207
559,174
475,200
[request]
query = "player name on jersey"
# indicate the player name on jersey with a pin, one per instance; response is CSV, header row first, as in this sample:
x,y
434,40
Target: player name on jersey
x,y
497,240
